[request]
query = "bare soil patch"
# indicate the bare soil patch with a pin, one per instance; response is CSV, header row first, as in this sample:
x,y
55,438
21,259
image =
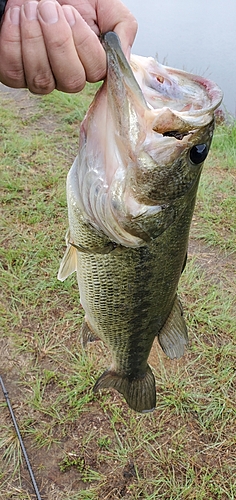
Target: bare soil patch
x,y
102,444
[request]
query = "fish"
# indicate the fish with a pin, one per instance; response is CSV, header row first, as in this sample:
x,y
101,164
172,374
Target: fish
x,y
131,193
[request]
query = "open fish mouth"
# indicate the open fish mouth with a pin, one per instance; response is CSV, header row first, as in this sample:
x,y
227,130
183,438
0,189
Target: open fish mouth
x,y
149,117
161,85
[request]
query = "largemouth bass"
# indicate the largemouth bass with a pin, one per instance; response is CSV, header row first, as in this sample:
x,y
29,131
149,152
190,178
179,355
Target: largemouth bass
x,y
131,193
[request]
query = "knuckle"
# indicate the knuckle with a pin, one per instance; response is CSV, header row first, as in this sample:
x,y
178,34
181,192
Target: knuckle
x,y
134,26
72,85
60,43
96,75
42,84
13,77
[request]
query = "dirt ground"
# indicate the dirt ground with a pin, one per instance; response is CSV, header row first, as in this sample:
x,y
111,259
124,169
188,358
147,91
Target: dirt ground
x,y
87,441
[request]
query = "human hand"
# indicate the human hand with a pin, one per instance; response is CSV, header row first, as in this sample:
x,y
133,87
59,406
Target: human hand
x,y
45,45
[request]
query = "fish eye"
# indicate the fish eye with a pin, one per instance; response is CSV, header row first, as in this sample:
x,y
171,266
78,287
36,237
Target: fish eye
x,y
198,153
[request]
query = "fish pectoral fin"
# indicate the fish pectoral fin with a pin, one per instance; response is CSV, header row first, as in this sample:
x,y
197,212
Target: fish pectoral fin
x,y
173,336
86,334
68,263
140,393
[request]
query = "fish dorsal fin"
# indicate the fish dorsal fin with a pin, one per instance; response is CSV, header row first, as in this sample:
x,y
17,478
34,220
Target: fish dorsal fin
x,y
140,393
173,336
68,263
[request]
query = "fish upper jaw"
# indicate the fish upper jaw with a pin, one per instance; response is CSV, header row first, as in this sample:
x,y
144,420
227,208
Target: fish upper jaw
x,y
164,86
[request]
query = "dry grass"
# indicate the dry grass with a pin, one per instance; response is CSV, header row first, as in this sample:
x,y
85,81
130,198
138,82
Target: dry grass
x,y
86,447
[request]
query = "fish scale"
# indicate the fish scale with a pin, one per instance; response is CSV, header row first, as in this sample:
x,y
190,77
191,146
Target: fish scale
x,y
121,291
131,194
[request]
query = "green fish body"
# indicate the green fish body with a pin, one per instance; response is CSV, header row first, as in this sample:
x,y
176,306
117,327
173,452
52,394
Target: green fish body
x,y
131,194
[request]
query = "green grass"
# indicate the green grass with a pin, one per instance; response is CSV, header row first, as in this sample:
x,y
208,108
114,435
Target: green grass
x,y
83,446
216,206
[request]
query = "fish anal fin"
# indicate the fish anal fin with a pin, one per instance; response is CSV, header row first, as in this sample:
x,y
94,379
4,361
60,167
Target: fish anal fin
x,y
86,334
185,262
68,263
173,336
140,393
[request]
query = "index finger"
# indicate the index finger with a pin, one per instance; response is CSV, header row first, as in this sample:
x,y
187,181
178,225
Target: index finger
x,y
115,16
66,66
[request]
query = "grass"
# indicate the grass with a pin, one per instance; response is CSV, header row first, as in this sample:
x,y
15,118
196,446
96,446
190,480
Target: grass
x,y
83,446
218,226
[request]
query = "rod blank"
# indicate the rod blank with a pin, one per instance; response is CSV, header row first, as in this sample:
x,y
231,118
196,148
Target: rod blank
x,y
20,440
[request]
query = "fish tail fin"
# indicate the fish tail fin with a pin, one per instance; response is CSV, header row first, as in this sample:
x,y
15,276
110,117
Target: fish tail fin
x,y
140,393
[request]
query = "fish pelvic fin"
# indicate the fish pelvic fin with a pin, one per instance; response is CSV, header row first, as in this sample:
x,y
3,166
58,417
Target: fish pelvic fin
x,y
139,393
69,261
173,336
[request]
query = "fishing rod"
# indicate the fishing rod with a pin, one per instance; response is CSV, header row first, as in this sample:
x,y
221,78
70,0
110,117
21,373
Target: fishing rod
x,y
20,440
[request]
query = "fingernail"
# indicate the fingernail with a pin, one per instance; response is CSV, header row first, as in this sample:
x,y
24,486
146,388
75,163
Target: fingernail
x,y
15,15
48,12
30,10
69,15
